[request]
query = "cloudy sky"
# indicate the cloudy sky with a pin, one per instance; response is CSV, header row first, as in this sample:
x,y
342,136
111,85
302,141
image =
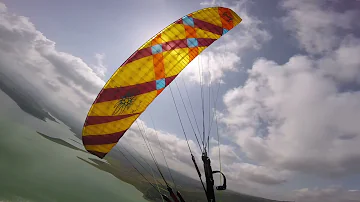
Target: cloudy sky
x,y
289,94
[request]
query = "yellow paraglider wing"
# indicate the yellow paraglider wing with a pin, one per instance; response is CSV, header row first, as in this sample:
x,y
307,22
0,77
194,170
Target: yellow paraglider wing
x,y
144,75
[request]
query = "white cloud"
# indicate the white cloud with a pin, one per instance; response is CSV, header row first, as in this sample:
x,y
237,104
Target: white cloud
x,y
227,153
318,27
330,194
347,58
213,141
2,7
100,67
63,81
302,115
295,117
257,174
213,66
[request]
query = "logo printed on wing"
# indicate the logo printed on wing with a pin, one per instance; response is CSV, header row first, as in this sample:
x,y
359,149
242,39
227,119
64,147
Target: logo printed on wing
x,y
126,101
227,17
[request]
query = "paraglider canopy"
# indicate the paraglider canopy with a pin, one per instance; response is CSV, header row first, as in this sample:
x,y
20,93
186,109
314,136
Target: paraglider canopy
x,y
147,72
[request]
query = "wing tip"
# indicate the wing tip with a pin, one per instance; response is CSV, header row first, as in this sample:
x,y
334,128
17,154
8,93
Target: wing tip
x,y
101,155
